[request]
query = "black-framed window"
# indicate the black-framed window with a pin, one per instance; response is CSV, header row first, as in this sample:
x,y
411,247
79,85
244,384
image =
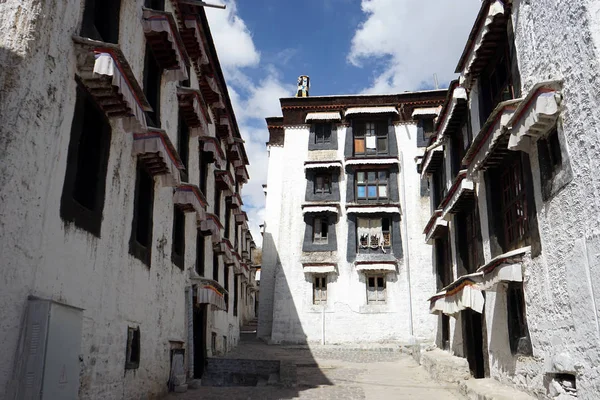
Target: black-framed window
x,y
200,252
183,145
215,266
443,256
82,200
322,133
439,186
320,289
152,85
428,127
514,205
217,206
376,289
373,234
178,242
550,159
371,185
155,4
235,295
518,332
469,240
132,350
226,286
370,138
323,183
228,219
320,230
496,81
204,162
101,20
140,242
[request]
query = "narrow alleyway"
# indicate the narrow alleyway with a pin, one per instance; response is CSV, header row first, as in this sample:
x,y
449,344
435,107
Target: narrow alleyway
x,y
331,372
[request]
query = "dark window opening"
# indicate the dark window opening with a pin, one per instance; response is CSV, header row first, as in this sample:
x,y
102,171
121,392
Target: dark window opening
x,y
200,252
152,82
439,186
204,161
371,185
82,200
370,138
215,266
374,235
101,20
322,133
140,243
428,127
443,262
458,151
518,332
496,83
155,4
469,240
235,295
132,354
322,183
218,204
514,205
226,286
183,145
178,247
320,231
227,219
213,343
320,289
550,158
376,289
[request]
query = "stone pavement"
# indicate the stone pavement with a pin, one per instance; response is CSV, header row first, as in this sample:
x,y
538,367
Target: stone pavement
x,y
334,372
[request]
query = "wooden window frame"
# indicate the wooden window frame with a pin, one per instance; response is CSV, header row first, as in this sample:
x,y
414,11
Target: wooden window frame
x,y
97,134
133,348
153,73
138,249
378,182
319,285
100,14
379,285
494,88
325,187
178,238
319,223
323,133
514,202
364,129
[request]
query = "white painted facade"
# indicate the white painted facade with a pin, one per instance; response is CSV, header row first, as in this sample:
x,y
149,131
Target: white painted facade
x,y
554,43
44,256
287,313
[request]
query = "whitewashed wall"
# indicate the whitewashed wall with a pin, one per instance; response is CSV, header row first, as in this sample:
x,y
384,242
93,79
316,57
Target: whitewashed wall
x,y
41,255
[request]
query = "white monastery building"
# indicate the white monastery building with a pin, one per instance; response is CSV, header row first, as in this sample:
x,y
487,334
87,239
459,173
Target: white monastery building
x,y
498,178
125,251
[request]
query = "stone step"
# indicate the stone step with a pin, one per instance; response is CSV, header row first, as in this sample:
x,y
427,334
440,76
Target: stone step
x,y
491,389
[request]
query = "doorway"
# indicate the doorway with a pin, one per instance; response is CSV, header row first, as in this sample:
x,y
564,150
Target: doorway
x,y
472,323
445,332
199,340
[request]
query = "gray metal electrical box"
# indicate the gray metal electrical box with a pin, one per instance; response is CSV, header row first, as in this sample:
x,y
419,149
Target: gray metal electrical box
x,y
49,348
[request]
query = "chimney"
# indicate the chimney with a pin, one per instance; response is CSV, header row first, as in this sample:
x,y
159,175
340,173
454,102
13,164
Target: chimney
x,y
303,86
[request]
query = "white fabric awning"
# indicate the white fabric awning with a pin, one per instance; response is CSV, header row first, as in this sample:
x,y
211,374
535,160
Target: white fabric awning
x,y
309,209
535,116
433,228
318,269
371,110
488,137
459,96
436,303
372,161
257,275
191,199
323,116
314,165
387,267
507,267
496,9
461,294
374,210
461,190
210,294
425,112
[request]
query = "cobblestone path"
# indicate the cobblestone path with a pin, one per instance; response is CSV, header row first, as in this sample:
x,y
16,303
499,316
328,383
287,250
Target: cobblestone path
x,y
334,372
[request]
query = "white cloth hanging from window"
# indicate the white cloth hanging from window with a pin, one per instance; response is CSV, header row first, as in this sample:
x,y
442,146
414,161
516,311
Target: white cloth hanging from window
x,y
371,142
370,233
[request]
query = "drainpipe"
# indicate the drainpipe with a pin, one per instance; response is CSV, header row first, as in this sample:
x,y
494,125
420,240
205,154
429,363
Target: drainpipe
x,y
407,247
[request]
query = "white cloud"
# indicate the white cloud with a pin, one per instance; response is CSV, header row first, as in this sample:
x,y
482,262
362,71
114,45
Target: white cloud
x,y
251,101
411,40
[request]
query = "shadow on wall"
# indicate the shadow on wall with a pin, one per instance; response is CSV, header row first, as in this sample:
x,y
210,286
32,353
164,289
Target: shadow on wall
x,y
499,345
279,313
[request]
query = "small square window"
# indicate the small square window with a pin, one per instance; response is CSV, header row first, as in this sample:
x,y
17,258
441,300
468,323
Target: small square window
x,y
372,185
322,133
320,230
320,289
132,357
376,289
322,184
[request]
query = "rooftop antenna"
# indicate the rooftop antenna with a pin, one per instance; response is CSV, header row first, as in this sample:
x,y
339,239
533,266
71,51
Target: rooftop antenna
x,y
435,81
200,3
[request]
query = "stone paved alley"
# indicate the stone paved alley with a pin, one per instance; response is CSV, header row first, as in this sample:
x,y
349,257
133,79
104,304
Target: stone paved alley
x,y
334,372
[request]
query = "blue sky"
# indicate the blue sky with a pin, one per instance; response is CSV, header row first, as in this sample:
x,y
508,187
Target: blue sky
x,y
345,46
